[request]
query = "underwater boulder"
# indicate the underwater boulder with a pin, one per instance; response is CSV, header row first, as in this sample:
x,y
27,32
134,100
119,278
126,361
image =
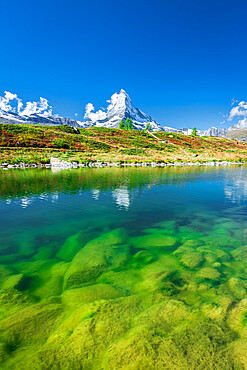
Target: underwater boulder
x,y
216,265
4,352
44,253
191,260
237,287
79,296
142,257
193,243
74,244
12,301
153,240
51,281
81,340
30,325
5,273
160,276
14,281
170,311
237,317
217,311
183,250
223,241
239,348
125,280
240,254
171,337
213,255
97,255
209,273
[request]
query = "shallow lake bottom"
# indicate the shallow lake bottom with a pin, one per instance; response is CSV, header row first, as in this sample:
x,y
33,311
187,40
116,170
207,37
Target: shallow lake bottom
x,y
124,269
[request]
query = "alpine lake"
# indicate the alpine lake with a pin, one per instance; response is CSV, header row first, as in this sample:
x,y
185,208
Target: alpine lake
x,y
124,268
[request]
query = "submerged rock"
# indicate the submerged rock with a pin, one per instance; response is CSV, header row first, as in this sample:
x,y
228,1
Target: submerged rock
x,y
172,339
74,244
191,260
14,281
154,239
52,281
183,250
97,255
44,253
142,257
239,348
189,256
209,273
125,280
79,296
82,338
237,287
193,243
223,241
30,325
4,352
240,254
237,317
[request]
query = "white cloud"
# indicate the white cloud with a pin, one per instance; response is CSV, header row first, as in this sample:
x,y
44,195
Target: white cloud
x,y
239,110
5,101
11,103
88,109
40,107
19,106
9,95
100,114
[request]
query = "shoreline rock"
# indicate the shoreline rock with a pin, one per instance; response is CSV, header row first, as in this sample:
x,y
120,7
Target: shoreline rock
x,y
56,163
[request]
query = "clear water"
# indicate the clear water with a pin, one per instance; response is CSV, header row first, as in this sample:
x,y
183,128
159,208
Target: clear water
x,y
123,268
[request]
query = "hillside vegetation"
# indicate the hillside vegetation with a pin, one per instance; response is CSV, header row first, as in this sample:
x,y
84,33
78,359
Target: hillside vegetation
x,y
36,144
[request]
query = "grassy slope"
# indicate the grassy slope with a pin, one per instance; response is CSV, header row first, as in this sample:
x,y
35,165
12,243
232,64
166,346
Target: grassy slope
x,y
35,144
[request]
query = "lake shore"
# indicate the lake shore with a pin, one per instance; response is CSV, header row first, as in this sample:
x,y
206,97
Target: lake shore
x,y
24,146
97,164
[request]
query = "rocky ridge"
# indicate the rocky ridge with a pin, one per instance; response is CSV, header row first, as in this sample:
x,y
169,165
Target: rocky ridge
x,y
120,107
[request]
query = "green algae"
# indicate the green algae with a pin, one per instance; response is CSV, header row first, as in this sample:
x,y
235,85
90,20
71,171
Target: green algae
x,y
74,244
118,301
153,238
91,293
168,294
105,251
191,260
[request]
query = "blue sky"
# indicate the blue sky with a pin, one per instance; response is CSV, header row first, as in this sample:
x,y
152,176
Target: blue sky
x,y
180,61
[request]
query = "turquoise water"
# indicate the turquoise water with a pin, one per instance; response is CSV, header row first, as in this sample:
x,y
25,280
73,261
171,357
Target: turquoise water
x,y
139,268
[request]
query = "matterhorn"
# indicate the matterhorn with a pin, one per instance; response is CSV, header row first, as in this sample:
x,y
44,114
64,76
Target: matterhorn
x,y
119,108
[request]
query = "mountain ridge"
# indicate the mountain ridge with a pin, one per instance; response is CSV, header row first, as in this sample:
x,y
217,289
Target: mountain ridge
x,y
120,107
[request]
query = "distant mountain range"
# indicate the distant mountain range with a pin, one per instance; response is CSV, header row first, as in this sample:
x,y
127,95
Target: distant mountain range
x,y
119,108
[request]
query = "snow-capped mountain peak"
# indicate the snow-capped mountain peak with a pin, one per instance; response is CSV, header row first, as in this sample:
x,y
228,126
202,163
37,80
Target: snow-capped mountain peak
x,y
120,107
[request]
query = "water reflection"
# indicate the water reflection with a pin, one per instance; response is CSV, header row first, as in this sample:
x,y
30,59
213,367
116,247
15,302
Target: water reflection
x,y
95,194
235,187
121,197
24,187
